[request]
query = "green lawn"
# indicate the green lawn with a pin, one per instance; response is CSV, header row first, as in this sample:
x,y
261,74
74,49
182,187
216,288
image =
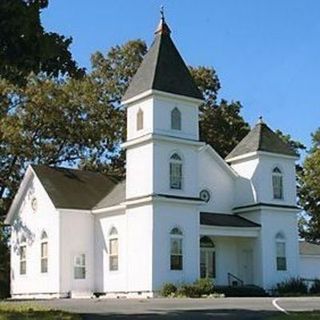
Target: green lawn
x,y
298,316
28,311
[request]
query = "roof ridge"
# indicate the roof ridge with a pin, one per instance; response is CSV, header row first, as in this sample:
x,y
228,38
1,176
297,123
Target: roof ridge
x,y
157,58
259,125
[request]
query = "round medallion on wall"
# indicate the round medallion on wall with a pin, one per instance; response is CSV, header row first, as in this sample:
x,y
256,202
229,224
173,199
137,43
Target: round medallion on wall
x,y
34,204
205,195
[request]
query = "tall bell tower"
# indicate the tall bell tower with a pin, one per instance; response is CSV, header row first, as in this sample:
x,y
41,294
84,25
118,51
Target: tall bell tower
x,y
162,159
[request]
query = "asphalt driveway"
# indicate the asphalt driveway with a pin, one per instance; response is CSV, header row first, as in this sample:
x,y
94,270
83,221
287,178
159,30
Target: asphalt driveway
x,y
220,308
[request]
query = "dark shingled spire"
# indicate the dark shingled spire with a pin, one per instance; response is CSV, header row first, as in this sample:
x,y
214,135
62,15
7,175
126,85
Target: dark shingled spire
x,y
261,138
163,69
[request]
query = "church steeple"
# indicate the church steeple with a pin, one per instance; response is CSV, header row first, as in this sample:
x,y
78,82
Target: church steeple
x,y
163,69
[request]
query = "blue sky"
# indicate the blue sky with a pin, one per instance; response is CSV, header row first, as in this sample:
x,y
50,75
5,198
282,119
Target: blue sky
x,y
266,52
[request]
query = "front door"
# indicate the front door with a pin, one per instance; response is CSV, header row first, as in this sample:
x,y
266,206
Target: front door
x,y
247,266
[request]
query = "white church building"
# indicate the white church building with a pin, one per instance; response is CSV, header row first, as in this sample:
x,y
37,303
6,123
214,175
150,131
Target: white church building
x,y
183,212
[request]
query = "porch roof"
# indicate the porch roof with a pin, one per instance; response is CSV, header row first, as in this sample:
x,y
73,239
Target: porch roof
x,y
226,220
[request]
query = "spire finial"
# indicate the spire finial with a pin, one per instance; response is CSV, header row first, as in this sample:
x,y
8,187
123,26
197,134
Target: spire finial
x,y
162,13
260,120
163,27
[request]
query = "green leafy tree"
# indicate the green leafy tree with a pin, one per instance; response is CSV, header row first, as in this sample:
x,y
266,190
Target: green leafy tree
x,y
221,124
295,145
111,73
309,192
25,45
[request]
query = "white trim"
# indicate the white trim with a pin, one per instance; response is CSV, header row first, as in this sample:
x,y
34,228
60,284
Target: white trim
x,y
219,160
145,199
118,207
265,207
161,198
20,193
175,200
229,231
161,94
154,137
65,210
262,153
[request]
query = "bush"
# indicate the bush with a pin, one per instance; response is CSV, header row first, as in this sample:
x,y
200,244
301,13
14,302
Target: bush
x,y
315,288
168,289
293,286
188,290
205,286
243,291
195,290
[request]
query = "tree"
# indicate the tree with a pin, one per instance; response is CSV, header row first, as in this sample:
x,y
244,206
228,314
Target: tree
x,y
295,145
309,192
221,124
111,74
26,47
55,122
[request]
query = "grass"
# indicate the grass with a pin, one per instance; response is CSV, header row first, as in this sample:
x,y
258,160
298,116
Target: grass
x,y
29,311
315,315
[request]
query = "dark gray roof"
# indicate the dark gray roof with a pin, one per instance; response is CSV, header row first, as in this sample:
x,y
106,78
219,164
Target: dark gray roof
x,y
261,138
225,220
74,189
163,69
114,197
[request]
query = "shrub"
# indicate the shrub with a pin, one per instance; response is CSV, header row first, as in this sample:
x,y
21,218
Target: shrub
x,y
292,286
241,291
188,290
205,286
168,289
315,288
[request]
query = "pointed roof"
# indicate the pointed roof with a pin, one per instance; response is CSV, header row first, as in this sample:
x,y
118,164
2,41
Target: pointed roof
x,y
261,138
163,69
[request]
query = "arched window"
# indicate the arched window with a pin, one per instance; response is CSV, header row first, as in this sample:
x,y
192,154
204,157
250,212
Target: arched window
x,y
113,250
23,255
277,183
207,258
281,260
44,252
176,250
176,119
140,120
175,171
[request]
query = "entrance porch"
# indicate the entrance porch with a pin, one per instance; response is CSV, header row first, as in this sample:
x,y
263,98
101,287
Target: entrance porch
x,y
228,251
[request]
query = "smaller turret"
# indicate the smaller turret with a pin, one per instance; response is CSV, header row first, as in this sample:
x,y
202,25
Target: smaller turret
x,y
266,165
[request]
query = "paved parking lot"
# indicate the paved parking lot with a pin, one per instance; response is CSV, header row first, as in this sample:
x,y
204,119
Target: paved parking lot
x,y
220,309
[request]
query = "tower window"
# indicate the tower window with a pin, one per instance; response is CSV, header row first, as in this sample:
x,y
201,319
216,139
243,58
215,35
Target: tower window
x,y
44,252
140,120
23,255
281,260
175,172
176,119
176,250
277,183
113,250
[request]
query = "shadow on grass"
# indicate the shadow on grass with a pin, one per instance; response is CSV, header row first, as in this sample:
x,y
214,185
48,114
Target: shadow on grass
x,y
38,315
206,314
